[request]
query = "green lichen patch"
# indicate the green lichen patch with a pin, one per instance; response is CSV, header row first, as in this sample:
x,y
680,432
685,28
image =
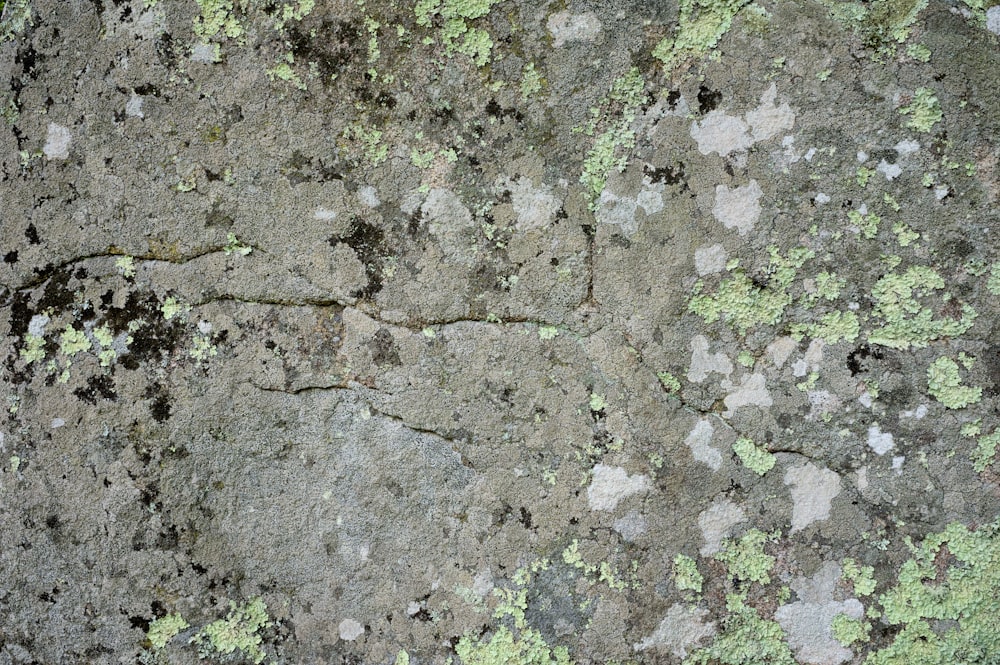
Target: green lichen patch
x,y
17,18
946,600
993,282
455,33
906,322
831,328
217,20
164,629
924,111
746,639
744,303
686,575
882,24
986,451
861,577
702,24
945,385
753,456
239,631
617,137
848,630
745,558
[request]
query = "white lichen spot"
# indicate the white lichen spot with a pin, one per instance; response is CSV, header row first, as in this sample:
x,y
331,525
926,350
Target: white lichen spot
x,y
368,196
769,120
822,198
752,391
780,349
715,523
536,207
710,259
704,363
906,147
880,442
699,441
57,142
738,208
808,621
682,628
631,526
890,171
813,489
916,413
611,484
721,133
567,27
324,215
57,423
993,20
133,107
206,53
36,326
350,630
618,211
897,464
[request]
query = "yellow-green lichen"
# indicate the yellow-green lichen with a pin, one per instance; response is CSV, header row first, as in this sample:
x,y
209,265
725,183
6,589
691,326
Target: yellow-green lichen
x,y
882,24
847,630
945,385
125,266
906,322
686,575
216,18
861,577
235,246
986,451
73,341
867,225
743,303
547,332
669,382
946,615
164,629
455,32
203,348
919,52
171,307
993,282
611,148
924,110
239,631
17,18
701,25
531,81
753,456
746,639
34,348
831,328
745,558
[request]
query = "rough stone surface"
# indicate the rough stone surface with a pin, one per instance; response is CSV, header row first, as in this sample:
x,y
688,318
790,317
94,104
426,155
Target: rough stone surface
x,y
371,332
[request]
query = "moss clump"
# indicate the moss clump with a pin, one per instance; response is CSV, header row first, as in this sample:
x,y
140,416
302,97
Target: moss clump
x,y
946,615
702,24
945,385
239,631
924,110
164,629
753,457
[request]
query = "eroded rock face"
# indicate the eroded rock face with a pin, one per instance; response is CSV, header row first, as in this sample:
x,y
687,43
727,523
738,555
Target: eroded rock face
x,y
372,333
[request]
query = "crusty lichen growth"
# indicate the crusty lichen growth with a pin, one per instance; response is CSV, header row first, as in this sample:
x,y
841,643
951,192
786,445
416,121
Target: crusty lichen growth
x,y
924,111
239,631
986,450
217,19
753,456
701,25
882,24
906,322
164,629
945,385
745,558
746,639
686,575
455,33
946,614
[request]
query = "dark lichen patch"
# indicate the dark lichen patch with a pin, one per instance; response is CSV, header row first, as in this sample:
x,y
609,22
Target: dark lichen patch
x,y
333,47
100,386
160,404
153,336
369,245
708,99
383,349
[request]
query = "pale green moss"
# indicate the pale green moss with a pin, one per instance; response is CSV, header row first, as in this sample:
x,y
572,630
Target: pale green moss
x,y
986,451
105,338
597,402
369,142
863,175
73,341
745,558
284,72
686,575
746,639
945,385
402,658
239,631
753,456
33,350
164,629
742,303
848,630
906,321
861,577
669,382
701,25
905,236
924,110
946,615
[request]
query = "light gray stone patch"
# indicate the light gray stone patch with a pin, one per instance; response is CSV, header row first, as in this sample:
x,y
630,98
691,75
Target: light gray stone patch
x,y
684,627
993,20
721,133
536,207
813,489
699,440
769,120
350,630
716,521
704,363
880,442
710,259
807,621
133,107
57,142
751,391
611,484
631,526
566,27
890,171
738,208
